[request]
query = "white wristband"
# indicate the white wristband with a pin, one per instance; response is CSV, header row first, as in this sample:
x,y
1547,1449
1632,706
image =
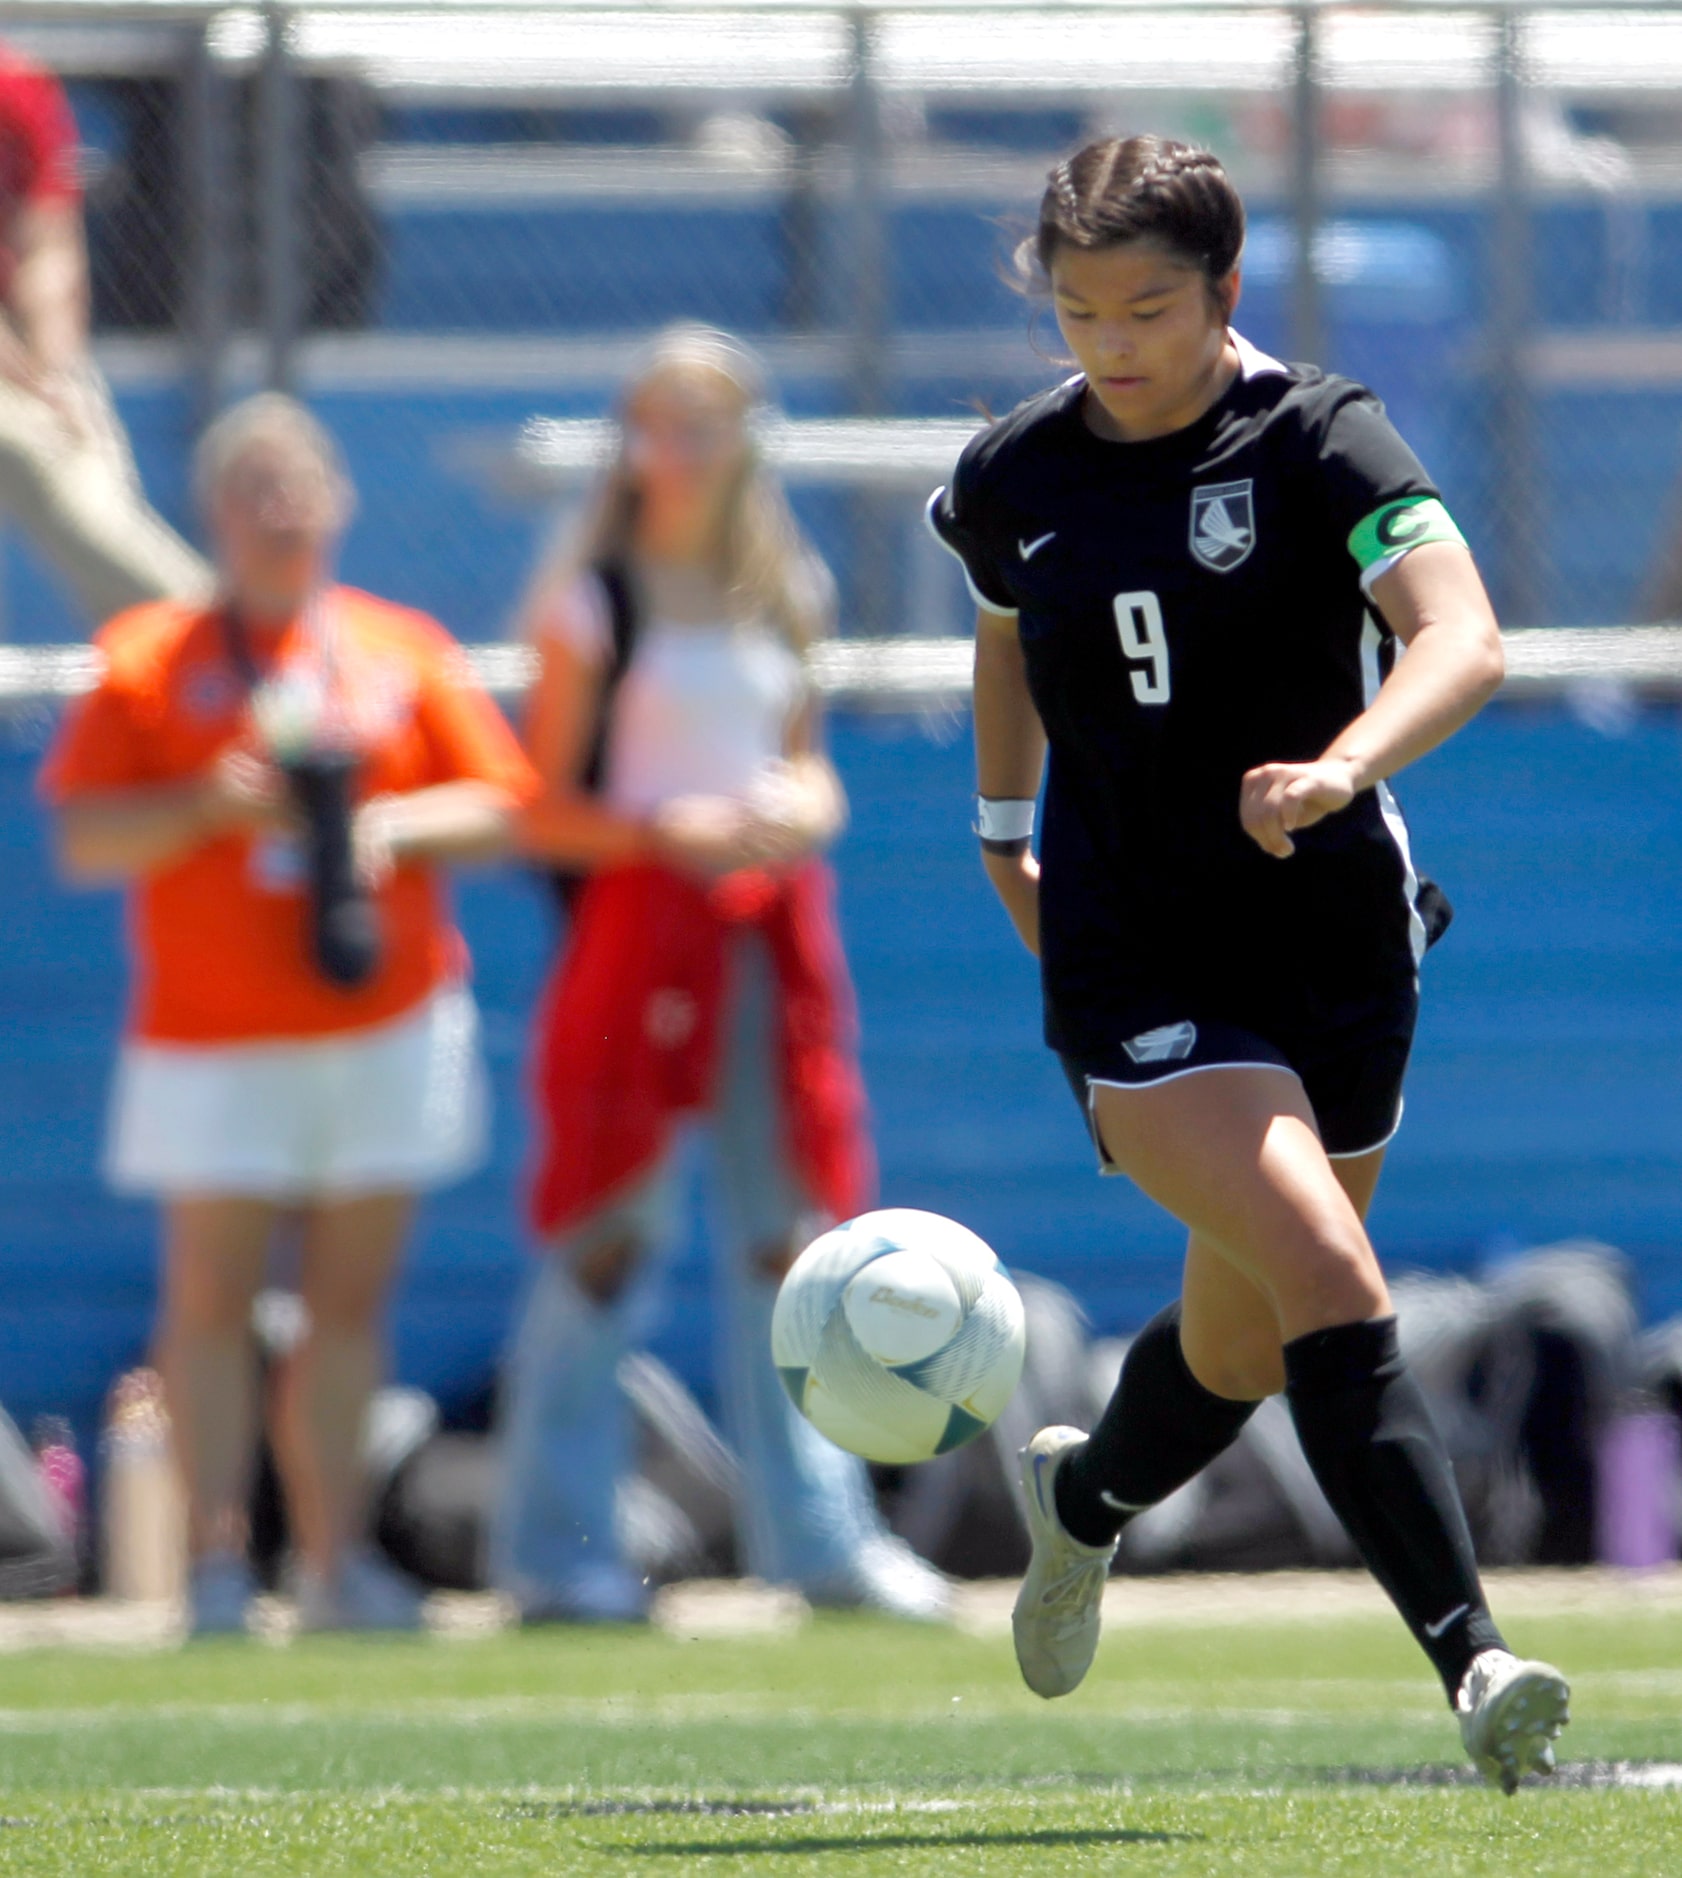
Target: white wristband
x,y
1004,818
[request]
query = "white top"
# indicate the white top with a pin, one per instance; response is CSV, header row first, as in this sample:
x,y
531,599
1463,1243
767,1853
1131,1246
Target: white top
x,y
704,709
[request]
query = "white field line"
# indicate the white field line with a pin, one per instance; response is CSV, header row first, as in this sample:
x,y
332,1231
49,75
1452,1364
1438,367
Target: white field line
x,y
424,1711
1210,1598
614,1713
735,1609
817,1798
592,1802
631,1712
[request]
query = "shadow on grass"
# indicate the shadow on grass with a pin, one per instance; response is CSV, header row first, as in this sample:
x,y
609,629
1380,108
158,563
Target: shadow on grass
x,y
1589,1774
899,1842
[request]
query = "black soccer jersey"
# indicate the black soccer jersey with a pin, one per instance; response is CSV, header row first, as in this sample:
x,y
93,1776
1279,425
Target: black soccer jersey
x,y
1190,607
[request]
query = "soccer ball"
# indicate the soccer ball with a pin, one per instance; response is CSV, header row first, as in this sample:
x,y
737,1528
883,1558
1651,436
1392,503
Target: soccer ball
x,y
899,1335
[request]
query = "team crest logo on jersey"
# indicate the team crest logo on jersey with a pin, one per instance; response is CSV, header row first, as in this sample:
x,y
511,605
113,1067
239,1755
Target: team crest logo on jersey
x,y
1223,525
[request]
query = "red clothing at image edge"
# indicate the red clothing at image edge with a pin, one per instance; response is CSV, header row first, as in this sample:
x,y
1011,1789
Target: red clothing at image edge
x,y
38,147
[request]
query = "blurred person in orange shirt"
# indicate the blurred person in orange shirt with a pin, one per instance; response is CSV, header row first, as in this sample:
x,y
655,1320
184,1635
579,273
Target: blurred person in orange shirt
x,y
278,1066
66,473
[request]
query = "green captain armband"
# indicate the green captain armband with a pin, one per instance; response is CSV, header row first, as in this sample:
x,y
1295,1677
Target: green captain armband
x,y
1380,540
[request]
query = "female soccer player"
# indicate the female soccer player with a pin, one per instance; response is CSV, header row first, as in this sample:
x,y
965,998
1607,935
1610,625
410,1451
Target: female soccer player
x,y
703,976
1194,566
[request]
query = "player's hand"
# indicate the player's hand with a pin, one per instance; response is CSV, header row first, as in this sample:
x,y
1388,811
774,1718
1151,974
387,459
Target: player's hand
x,y
710,836
62,393
242,791
18,365
1016,880
375,834
66,393
1278,799
796,807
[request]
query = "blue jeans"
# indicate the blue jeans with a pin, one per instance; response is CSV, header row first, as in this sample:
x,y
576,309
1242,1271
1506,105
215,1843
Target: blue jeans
x,y
806,1506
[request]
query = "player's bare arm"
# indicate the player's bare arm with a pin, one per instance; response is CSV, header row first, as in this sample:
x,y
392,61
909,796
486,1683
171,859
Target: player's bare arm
x,y
802,806
452,821
119,834
1435,604
567,824
48,300
1009,759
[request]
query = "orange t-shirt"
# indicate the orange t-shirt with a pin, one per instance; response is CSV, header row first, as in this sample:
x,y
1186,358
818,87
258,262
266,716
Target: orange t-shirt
x,y
220,936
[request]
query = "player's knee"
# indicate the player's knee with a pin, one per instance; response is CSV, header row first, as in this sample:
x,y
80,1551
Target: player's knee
x,y
207,1315
604,1268
1337,1281
198,1306
1237,1363
1241,1374
344,1312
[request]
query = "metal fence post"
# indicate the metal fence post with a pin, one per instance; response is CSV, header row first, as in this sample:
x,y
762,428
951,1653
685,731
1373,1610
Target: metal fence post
x,y
279,163
867,230
1513,470
873,518
209,166
1307,328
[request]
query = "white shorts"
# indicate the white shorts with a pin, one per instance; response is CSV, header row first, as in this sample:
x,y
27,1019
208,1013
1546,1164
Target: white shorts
x,y
392,1109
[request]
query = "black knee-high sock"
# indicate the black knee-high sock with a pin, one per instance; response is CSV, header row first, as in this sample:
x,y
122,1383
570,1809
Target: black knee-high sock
x,y
1161,1427
1369,1438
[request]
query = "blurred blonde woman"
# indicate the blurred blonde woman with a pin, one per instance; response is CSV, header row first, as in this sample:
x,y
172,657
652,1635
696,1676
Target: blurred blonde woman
x,y
675,731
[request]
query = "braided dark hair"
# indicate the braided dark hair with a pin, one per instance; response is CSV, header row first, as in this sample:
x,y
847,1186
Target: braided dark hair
x,y
1124,189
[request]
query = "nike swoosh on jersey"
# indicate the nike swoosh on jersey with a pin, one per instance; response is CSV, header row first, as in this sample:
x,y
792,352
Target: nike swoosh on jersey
x,y
1028,549
1442,1623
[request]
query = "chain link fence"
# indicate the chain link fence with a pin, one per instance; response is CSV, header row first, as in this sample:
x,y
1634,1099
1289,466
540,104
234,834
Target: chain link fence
x,y
442,223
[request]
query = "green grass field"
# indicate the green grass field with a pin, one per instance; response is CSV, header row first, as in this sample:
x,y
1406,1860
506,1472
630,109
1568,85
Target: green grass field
x,y
1266,1748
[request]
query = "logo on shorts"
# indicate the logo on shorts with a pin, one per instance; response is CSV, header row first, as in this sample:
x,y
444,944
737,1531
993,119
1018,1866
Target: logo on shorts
x,y
1168,1043
1223,525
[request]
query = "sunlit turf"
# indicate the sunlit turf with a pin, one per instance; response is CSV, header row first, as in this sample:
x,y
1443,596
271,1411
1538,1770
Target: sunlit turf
x,y
1267,1749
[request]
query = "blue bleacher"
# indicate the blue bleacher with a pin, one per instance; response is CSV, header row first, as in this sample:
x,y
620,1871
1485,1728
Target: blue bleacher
x,y
1544,1100
1404,301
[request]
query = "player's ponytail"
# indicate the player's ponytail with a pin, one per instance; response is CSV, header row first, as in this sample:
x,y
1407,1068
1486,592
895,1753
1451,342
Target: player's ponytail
x,y
1147,188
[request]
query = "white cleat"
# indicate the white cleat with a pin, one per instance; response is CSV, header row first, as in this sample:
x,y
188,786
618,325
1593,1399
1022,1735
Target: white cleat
x,y
1510,1715
1056,1619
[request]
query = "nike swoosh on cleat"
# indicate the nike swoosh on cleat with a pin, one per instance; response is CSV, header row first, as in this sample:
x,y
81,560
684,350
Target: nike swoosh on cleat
x,y
1028,549
1436,1630
1039,1478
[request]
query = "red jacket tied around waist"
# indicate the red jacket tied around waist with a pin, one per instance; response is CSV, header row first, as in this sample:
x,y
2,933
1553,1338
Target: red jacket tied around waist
x,y
629,1038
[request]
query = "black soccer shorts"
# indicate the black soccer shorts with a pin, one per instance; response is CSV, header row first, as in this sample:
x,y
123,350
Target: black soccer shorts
x,y
1350,1062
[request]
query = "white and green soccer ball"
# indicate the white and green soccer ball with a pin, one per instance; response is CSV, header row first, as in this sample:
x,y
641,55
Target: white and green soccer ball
x,y
899,1335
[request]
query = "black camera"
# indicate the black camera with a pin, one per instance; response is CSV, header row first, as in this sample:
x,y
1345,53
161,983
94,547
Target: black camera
x,y
344,922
